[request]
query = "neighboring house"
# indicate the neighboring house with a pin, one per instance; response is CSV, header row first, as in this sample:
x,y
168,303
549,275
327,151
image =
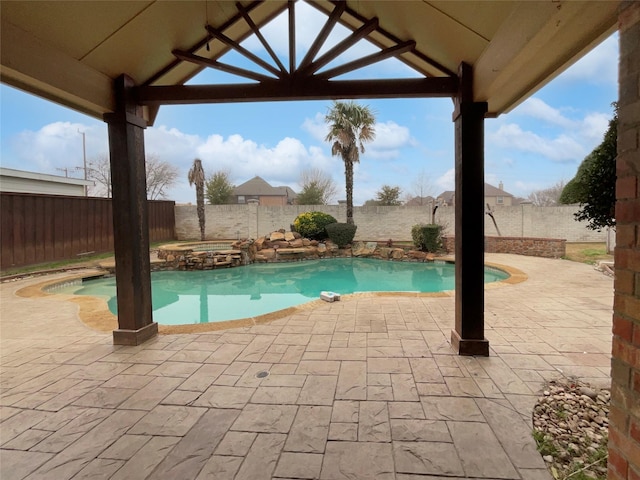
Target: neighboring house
x,y
19,181
258,191
420,201
493,196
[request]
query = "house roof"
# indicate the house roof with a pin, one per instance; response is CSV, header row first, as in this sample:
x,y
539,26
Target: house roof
x,y
447,195
419,201
70,52
259,187
489,191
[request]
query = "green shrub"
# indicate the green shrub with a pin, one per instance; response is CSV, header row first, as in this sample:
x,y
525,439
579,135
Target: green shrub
x,y
312,224
427,237
341,233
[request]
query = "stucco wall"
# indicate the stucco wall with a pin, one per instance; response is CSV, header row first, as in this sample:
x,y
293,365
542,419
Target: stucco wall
x,y
381,223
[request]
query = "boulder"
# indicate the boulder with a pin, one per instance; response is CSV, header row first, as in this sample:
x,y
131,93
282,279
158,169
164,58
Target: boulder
x,y
397,253
306,242
296,243
288,236
275,236
259,243
430,257
296,235
362,249
268,253
416,254
321,248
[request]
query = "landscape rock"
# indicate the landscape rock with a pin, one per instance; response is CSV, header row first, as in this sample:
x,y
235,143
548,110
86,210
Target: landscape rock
x,y
570,423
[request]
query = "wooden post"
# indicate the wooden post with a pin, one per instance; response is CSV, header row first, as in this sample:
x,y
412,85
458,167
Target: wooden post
x,y
130,218
468,336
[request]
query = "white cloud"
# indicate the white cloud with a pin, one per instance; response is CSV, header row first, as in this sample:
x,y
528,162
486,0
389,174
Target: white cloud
x,y
56,146
562,148
446,181
316,127
59,145
536,108
599,66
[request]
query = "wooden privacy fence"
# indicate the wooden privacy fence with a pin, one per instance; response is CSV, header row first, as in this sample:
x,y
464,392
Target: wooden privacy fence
x,y
43,228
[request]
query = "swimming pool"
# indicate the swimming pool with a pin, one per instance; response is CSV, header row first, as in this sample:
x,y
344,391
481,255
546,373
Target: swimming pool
x,y
180,297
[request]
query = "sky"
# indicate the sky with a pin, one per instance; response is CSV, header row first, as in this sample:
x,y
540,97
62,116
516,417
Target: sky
x,y
536,145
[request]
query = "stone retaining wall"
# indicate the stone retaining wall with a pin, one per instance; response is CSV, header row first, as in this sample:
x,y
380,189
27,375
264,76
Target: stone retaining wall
x,y
534,247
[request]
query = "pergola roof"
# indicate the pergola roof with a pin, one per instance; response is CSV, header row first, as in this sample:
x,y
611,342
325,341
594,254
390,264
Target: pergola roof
x,y
70,51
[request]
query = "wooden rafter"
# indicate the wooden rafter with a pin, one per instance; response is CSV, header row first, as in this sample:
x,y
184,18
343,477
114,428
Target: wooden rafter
x,y
323,35
224,67
394,39
292,36
368,60
240,49
254,28
341,47
306,81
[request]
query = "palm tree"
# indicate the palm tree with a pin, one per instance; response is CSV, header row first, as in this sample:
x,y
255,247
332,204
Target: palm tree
x,y
196,175
350,125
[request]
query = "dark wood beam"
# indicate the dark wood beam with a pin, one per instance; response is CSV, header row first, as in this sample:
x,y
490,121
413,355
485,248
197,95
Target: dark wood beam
x,y
340,48
308,89
368,60
254,28
224,67
324,34
292,36
130,218
468,338
243,51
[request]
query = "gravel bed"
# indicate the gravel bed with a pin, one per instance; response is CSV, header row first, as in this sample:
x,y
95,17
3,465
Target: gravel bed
x,y
570,426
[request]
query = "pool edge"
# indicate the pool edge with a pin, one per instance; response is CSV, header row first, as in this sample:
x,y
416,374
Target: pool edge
x,y
95,314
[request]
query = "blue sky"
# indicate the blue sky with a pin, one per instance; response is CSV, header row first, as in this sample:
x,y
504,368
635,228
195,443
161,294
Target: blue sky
x,y
538,144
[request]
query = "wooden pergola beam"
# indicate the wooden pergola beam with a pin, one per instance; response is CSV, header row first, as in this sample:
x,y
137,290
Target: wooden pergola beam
x,y
309,89
223,67
368,60
341,47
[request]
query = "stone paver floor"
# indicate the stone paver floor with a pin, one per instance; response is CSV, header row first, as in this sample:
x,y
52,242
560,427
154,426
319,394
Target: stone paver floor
x,y
365,388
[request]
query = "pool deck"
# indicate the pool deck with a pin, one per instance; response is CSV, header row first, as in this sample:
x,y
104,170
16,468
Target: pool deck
x,y
364,388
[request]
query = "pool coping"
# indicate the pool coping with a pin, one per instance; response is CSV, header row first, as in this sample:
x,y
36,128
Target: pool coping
x,y
94,312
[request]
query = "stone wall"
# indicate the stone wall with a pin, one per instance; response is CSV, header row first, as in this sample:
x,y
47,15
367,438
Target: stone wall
x,y
534,247
624,416
381,223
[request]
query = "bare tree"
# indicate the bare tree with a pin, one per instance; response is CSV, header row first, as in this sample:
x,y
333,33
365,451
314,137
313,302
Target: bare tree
x,y
318,187
99,171
547,197
161,176
421,188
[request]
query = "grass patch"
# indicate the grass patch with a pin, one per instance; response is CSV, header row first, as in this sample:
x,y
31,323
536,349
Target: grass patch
x,y
88,261
587,252
544,443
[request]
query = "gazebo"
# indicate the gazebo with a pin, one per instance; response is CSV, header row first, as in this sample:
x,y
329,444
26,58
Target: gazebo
x,y
121,61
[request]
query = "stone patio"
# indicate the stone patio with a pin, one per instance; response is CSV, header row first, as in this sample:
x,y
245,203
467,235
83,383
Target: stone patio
x,y
365,388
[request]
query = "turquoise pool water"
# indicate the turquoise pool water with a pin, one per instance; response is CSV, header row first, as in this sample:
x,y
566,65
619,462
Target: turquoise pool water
x,y
233,293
